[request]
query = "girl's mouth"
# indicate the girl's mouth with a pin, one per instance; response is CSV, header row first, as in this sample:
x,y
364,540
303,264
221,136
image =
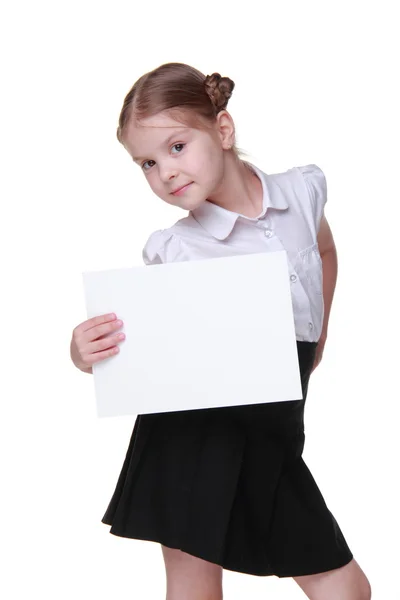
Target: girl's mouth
x,y
181,190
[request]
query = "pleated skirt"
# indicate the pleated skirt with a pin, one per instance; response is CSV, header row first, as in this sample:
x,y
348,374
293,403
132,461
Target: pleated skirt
x,y
229,485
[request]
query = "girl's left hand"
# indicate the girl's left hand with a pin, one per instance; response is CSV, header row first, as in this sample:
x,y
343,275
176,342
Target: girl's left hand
x,y
319,352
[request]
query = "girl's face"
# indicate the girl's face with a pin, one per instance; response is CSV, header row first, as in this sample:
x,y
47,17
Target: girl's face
x,y
183,165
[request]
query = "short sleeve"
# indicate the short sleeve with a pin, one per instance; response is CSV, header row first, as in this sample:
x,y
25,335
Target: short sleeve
x,y
163,246
317,190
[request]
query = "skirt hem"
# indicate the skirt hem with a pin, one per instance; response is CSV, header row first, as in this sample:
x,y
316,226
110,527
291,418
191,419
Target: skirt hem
x,y
267,572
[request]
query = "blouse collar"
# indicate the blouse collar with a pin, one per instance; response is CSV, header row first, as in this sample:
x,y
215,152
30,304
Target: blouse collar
x,y
219,222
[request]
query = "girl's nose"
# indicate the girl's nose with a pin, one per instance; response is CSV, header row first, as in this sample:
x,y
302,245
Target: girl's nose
x,y
168,173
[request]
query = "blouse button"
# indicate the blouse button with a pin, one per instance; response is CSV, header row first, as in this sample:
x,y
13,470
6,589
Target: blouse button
x,y
293,278
311,326
268,233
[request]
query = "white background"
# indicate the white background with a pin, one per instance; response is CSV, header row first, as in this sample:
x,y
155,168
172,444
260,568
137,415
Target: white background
x,y
315,83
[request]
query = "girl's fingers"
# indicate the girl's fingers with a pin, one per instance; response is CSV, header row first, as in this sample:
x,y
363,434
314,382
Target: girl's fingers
x,y
104,343
100,349
91,341
99,331
93,322
84,337
91,359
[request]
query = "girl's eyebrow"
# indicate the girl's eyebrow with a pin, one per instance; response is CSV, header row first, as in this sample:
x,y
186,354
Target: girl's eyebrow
x,y
166,142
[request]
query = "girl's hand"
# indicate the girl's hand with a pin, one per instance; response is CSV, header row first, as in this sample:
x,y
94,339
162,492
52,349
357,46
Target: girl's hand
x,y
89,344
319,352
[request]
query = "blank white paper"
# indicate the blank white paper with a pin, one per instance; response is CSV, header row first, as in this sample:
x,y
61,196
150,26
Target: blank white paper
x,y
199,334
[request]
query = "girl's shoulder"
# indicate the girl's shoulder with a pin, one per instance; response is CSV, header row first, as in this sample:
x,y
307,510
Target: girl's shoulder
x,y
309,178
315,181
302,188
166,245
316,186
310,171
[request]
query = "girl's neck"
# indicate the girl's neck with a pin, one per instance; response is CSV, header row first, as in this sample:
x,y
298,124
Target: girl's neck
x,y
241,189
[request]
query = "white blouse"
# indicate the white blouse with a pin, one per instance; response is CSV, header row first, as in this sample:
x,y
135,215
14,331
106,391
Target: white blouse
x,y
293,205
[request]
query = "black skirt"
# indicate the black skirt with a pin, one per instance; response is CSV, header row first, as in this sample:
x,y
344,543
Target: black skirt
x,y
229,485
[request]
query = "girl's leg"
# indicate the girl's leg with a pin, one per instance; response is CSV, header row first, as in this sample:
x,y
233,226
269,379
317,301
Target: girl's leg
x,y
347,583
191,578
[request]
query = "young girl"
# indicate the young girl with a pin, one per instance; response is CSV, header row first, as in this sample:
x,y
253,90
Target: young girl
x,y
226,488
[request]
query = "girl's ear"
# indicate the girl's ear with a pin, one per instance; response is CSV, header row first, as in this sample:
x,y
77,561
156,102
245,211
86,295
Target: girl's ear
x,y
226,129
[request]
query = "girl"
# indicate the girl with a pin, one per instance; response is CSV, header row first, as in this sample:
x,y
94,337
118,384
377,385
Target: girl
x,y
226,488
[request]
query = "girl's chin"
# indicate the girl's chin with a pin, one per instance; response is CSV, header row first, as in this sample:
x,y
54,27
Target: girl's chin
x,y
186,203
192,205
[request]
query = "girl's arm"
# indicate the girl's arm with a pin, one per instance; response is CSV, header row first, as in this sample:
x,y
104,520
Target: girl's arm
x,y
327,250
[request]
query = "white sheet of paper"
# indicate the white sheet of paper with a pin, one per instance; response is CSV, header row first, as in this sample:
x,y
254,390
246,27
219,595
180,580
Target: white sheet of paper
x,y
199,334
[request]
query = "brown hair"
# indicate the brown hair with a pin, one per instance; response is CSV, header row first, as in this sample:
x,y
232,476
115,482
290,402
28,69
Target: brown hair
x,y
178,87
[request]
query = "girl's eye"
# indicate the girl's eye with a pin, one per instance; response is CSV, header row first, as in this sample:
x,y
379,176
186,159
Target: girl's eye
x,y
179,148
147,162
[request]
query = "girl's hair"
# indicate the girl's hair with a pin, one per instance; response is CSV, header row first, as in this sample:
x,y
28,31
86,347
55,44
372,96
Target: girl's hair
x,y
179,88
